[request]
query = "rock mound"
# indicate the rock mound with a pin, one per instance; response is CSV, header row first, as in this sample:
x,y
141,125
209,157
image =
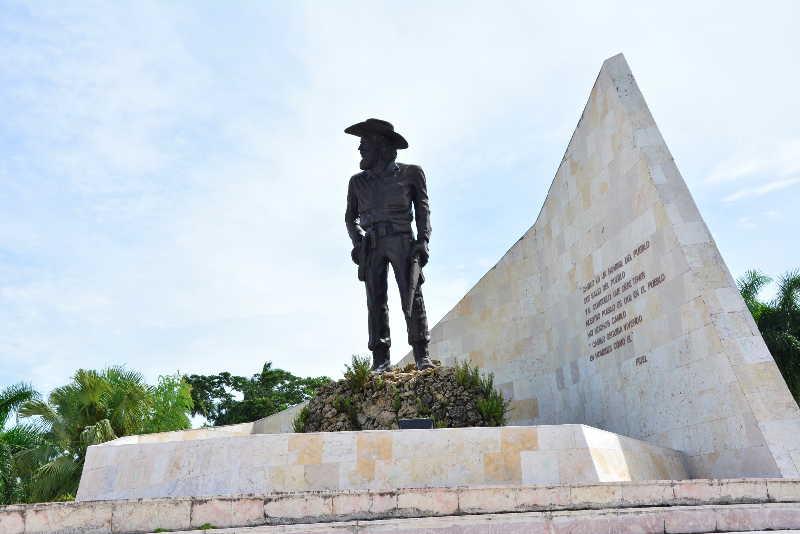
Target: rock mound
x,y
452,396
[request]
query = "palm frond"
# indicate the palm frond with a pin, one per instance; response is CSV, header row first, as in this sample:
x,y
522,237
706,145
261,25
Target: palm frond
x,y
60,476
14,396
41,409
22,436
750,284
788,297
129,400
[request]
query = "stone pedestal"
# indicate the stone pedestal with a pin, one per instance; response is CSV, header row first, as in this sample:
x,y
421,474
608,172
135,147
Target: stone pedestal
x,y
369,460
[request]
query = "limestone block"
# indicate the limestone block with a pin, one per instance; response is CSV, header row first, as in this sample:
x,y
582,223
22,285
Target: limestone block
x,y
89,518
298,507
427,502
480,500
696,491
782,517
653,493
745,517
148,515
12,519
352,505
382,503
227,512
582,522
685,520
542,497
540,467
783,490
743,490
595,495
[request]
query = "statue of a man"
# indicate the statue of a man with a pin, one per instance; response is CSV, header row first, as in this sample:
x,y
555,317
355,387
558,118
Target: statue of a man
x,y
378,218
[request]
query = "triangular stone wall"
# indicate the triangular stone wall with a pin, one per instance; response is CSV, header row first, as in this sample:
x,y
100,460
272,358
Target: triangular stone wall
x,y
616,309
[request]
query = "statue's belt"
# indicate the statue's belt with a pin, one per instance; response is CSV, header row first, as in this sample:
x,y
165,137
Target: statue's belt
x,y
384,229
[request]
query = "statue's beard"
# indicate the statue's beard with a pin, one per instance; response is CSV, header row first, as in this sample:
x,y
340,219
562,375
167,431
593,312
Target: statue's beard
x,y
367,162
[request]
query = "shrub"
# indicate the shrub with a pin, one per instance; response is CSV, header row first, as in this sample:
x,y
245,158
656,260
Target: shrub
x,y
299,423
493,408
357,374
491,404
466,375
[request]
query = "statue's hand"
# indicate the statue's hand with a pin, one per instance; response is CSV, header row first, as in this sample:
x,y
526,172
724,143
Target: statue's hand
x,y
420,249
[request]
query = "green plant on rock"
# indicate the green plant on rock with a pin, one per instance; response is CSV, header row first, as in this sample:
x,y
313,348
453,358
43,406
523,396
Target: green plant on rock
x,y
423,410
486,384
493,409
467,376
299,422
357,374
491,404
206,526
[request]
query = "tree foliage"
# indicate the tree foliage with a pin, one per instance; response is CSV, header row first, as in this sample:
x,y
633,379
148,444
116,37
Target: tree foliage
x,y
42,457
225,399
778,321
15,440
172,404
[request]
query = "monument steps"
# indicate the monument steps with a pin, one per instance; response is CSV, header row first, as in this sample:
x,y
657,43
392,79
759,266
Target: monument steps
x,y
688,506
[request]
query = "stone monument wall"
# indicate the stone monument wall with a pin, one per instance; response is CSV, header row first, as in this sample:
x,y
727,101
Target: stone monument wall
x,y
263,464
617,311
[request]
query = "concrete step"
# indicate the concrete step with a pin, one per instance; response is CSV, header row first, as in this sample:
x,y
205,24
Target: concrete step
x,y
656,506
659,520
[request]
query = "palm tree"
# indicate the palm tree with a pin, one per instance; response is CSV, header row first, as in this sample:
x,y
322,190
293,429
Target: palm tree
x,y
15,469
93,408
778,321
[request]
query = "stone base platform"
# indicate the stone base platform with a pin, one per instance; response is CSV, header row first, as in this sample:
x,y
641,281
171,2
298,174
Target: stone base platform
x,y
689,506
263,464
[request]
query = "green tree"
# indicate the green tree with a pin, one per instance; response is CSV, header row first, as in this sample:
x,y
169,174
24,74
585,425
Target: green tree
x,y
172,404
95,407
226,399
778,321
15,467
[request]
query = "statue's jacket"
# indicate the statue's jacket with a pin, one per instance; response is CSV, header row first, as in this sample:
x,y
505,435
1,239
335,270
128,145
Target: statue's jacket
x,y
385,199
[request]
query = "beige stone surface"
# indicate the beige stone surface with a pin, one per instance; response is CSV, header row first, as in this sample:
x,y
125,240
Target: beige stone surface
x,y
12,519
231,512
734,504
616,309
144,515
377,459
91,518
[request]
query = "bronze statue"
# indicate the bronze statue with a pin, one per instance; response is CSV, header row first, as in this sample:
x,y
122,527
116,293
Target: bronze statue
x,y
378,219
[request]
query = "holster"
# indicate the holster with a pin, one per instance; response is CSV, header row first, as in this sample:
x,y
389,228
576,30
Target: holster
x,y
363,251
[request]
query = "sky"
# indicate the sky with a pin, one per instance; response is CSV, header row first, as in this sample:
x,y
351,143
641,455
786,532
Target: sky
x,y
173,174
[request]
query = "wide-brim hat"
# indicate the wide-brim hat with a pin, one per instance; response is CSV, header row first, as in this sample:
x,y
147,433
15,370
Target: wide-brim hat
x,y
378,127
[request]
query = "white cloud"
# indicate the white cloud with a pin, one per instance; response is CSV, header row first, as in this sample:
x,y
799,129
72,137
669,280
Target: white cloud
x,y
769,187
763,162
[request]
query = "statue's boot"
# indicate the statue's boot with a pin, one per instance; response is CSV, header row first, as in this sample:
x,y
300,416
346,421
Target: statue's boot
x,y
422,357
380,360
